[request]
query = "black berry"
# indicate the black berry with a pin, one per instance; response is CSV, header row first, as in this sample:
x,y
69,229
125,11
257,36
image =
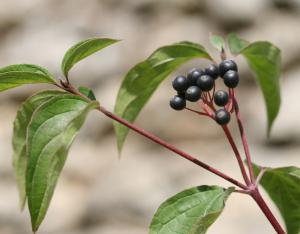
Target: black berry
x,y
177,103
221,98
205,82
222,117
180,83
212,70
193,76
193,93
231,79
227,65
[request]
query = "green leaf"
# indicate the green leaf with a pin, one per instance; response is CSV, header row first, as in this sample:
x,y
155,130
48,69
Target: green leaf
x,y
82,50
15,75
264,60
19,137
87,92
236,44
143,79
217,42
50,134
283,186
191,211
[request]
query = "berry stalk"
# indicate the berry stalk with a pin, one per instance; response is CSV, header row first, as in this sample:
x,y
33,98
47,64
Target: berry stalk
x,y
244,139
237,154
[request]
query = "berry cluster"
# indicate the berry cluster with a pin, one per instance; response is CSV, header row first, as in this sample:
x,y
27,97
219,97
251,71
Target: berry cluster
x,y
198,84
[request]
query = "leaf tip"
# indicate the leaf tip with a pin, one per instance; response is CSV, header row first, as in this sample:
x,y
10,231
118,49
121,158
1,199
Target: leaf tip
x,y
217,41
34,226
120,148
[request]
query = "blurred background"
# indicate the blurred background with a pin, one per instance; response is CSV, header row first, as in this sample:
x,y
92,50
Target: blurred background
x,y
99,194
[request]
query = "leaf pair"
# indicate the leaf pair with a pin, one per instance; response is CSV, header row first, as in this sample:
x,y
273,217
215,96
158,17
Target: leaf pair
x,y
20,74
143,79
44,130
45,126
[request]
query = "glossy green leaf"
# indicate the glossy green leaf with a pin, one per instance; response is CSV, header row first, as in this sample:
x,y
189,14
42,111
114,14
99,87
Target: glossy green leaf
x,y
19,137
82,50
15,75
87,92
236,44
50,134
192,211
143,79
217,42
264,60
283,186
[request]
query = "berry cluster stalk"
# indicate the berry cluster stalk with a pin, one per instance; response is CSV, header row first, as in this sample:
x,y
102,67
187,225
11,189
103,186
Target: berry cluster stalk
x,y
253,190
237,154
244,138
251,187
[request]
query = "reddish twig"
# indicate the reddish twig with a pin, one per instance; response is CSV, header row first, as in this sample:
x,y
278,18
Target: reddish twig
x,y
161,142
197,112
237,154
244,139
172,148
266,210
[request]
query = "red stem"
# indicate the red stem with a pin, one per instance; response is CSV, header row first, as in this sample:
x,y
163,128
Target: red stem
x,y
254,183
237,154
156,139
170,147
244,139
266,210
197,112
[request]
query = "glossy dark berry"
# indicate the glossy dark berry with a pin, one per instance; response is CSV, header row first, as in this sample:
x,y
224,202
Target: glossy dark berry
x,y
205,83
221,98
212,70
227,65
193,76
177,103
193,93
222,117
231,79
180,83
